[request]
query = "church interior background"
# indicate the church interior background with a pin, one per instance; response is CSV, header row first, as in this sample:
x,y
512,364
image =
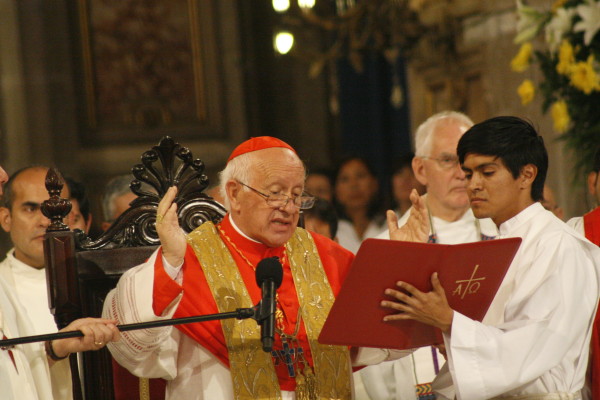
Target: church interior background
x,y
89,85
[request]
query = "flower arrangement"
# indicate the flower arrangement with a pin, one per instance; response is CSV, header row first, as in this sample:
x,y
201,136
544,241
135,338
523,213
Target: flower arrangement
x,y
565,43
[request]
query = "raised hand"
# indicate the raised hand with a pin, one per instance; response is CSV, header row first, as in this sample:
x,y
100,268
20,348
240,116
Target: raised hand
x,y
169,232
416,228
430,308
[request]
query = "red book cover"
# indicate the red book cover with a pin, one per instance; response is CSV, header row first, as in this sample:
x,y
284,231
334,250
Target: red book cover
x,y
470,273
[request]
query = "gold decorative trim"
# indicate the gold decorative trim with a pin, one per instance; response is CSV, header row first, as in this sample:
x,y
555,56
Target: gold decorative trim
x,y
252,371
331,363
144,388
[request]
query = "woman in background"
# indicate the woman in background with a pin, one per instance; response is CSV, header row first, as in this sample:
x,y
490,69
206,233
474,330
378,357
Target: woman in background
x,y
357,200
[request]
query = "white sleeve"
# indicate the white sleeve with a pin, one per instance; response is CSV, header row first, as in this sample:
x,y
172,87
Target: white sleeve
x,y
546,339
372,356
174,273
393,380
150,353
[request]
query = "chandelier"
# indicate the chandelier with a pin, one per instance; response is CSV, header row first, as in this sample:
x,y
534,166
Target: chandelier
x,y
324,30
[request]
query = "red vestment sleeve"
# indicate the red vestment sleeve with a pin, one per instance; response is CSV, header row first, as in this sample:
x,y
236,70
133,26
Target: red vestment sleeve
x,y
336,260
591,225
595,355
165,289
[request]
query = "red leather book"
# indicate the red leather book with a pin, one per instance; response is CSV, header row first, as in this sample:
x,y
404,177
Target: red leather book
x,y
470,273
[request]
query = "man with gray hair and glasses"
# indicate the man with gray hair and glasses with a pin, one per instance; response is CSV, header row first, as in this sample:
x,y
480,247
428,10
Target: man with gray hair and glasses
x,y
451,222
436,166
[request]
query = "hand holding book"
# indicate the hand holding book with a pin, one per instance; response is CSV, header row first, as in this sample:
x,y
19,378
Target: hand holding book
x,y
430,308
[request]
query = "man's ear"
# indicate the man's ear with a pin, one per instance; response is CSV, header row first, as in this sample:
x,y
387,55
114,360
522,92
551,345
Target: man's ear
x,y
233,191
5,219
592,179
528,174
418,167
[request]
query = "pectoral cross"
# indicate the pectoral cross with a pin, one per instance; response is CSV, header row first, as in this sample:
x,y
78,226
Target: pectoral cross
x,y
287,355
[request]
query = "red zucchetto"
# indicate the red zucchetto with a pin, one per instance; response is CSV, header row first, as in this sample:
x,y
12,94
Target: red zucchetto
x,y
258,143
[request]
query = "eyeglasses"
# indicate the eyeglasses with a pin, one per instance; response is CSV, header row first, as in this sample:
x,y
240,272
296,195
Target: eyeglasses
x,y
445,161
303,202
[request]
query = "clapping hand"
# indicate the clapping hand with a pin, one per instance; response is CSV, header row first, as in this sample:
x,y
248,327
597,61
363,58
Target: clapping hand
x,y
416,228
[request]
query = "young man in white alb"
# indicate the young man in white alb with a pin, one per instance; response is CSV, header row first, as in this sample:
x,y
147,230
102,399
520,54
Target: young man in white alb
x,y
533,343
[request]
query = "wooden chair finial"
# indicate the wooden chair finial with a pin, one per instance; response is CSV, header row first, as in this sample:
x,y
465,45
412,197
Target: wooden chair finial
x,y
55,208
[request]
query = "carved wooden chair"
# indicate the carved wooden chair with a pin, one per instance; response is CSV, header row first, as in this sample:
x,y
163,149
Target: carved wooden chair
x,y
81,270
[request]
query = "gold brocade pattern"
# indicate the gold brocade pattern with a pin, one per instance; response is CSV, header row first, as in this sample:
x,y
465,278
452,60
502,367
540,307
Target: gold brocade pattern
x,y
144,387
331,363
252,372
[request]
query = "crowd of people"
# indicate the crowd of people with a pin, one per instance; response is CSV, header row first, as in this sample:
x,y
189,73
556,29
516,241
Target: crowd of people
x,y
465,182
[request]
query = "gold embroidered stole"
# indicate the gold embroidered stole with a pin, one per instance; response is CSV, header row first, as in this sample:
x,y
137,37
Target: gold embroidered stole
x,y
252,371
331,363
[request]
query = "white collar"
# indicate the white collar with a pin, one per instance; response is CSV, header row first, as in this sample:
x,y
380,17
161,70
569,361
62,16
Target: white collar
x,y
526,214
18,266
238,230
467,216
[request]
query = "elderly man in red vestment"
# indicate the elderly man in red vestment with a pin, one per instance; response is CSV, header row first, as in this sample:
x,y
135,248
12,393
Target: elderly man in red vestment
x,y
212,270
589,225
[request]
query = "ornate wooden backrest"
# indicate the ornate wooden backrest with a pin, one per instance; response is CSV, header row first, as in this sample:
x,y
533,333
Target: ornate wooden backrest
x,y
82,270
135,227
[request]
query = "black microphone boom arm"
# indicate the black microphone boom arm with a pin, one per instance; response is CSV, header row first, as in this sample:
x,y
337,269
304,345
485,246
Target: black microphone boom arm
x,y
240,313
269,276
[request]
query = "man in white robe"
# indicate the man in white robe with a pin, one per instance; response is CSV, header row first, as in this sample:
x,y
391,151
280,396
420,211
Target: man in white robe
x,y
23,268
451,222
26,370
534,340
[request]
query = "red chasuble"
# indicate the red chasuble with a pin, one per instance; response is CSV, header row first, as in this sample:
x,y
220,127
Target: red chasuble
x,y
198,300
591,224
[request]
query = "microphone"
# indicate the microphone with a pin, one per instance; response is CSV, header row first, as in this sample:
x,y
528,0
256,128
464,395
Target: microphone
x,y
269,275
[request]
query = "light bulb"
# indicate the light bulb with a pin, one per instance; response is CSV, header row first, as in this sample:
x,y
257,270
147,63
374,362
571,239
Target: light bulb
x,y
306,3
281,5
283,42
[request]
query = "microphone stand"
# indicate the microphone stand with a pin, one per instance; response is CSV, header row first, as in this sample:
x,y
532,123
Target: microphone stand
x,y
240,313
